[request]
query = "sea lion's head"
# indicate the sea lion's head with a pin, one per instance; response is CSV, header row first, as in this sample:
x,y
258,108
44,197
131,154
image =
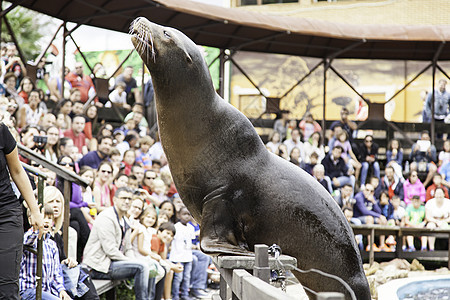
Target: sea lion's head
x,y
171,57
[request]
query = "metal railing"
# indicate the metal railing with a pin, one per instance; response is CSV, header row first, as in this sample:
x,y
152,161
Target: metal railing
x,y
68,178
241,285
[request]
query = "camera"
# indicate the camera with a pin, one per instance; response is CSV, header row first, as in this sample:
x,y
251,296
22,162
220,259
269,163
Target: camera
x,y
40,141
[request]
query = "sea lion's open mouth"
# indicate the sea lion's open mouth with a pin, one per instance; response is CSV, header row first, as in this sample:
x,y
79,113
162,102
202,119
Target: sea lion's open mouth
x,y
142,38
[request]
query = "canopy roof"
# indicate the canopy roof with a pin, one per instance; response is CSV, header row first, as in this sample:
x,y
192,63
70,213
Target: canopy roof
x,y
232,28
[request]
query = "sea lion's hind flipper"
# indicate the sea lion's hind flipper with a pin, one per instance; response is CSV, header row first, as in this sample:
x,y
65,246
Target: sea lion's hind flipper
x,y
220,230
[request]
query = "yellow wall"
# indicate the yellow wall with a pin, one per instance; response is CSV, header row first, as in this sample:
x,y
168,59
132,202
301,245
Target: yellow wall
x,y
377,80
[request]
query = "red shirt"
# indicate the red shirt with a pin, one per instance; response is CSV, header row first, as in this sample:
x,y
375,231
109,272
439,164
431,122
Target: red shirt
x,y
157,245
431,189
81,83
79,141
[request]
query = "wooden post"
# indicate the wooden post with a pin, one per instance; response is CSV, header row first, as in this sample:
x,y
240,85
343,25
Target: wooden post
x,y
223,288
67,197
372,242
261,268
330,296
448,261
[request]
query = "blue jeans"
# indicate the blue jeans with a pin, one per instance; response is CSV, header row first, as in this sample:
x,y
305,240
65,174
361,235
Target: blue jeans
x,y
30,294
181,282
365,170
199,274
123,269
345,180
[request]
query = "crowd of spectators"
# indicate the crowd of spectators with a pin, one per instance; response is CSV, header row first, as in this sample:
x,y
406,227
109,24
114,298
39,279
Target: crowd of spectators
x,y
129,222
352,173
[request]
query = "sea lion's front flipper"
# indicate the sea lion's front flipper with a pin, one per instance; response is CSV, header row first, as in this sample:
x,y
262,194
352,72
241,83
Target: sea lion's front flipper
x,y
220,228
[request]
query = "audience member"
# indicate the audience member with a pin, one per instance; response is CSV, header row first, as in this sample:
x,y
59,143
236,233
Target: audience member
x,y
344,197
392,183
312,145
181,252
77,135
94,158
281,123
274,141
308,126
415,217
318,173
346,124
336,168
294,141
118,97
437,182
131,89
437,214
52,280
444,155
441,102
82,82
423,156
413,187
108,244
369,158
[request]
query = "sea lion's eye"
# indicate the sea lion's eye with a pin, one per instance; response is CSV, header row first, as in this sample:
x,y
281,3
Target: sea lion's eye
x,y
166,34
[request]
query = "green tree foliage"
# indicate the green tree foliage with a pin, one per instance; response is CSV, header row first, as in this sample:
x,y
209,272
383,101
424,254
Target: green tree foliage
x,y
28,27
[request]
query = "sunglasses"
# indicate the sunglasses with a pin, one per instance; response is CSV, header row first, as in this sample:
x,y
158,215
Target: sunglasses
x,y
150,177
370,191
369,141
106,171
66,164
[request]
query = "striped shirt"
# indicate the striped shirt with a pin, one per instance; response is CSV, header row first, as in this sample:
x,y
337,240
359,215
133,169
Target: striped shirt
x,y
52,279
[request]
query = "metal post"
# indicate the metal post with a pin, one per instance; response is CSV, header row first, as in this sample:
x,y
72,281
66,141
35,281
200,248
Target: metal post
x,y
221,74
261,268
63,77
325,68
67,197
39,245
433,94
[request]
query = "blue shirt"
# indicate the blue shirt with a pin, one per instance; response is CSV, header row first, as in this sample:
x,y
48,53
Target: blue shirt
x,y
91,159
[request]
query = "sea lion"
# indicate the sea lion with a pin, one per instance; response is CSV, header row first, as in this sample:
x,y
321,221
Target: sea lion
x,y
240,193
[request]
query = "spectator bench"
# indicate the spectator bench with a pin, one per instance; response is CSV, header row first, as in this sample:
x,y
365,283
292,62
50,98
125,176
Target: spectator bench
x,y
107,287
399,233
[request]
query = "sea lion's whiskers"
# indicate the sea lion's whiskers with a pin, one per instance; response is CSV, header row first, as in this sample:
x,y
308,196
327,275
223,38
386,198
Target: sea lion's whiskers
x,y
143,34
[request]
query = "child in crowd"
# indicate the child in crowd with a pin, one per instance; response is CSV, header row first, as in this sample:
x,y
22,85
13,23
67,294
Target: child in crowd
x,y
313,160
141,238
348,213
387,210
181,252
52,279
118,97
163,217
399,211
143,156
159,189
160,243
415,217
129,157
